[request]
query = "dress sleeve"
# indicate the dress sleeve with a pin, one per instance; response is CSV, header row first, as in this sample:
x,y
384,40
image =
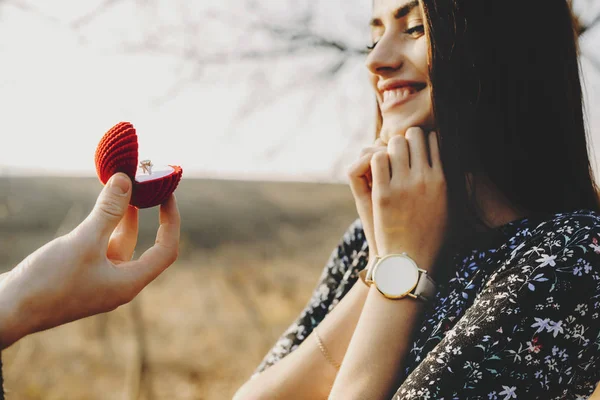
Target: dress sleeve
x,y
532,332
338,276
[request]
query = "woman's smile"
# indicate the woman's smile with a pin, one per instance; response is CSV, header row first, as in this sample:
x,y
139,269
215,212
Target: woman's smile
x,y
400,94
398,64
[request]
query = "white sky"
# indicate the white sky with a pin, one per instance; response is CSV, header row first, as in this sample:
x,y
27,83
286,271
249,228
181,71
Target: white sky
x,y
60,91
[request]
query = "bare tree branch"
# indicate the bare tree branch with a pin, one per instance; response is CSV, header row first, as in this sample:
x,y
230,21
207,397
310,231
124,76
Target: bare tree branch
x,y
93,14
593,61
584,28
27,7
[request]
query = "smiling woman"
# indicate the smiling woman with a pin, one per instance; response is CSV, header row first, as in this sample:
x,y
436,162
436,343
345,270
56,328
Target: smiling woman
x,y
399,42
474,269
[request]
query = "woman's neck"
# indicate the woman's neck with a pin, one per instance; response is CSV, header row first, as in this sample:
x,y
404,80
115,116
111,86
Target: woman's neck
x,y
495,209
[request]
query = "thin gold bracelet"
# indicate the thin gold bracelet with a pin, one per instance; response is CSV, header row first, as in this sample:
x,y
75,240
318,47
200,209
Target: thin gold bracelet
x,y
325,352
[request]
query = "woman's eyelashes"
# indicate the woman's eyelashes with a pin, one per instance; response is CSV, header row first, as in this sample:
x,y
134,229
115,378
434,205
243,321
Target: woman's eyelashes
x,y
372,46
415,32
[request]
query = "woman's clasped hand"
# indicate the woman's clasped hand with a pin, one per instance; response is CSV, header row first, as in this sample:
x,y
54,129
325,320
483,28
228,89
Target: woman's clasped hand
x,y
400,193
89,270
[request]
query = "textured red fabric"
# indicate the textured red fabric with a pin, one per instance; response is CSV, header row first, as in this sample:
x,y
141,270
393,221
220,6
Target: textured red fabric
x,y
152,193
118,152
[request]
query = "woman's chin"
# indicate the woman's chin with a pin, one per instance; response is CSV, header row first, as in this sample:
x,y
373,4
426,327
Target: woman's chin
x,y
398,125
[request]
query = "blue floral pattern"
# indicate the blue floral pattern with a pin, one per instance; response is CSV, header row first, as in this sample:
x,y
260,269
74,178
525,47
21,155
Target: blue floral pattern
x,y
518,317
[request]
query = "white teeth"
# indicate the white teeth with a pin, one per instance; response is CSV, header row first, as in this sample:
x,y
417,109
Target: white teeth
x,y
398,94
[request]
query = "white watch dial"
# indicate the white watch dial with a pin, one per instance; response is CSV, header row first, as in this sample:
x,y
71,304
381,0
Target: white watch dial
x,y
396,276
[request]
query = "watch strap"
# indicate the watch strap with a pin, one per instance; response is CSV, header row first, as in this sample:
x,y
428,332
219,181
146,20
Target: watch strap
x,y
362,275
426,287
370,267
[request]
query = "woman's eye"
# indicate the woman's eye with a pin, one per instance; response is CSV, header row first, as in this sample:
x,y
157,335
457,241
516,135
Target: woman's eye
x,y
417,29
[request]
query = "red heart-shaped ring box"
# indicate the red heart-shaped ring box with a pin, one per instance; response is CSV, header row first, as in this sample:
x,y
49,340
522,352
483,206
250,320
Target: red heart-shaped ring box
x,y
118,152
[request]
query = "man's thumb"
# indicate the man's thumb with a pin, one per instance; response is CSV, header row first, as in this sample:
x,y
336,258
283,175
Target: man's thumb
x,y
111,205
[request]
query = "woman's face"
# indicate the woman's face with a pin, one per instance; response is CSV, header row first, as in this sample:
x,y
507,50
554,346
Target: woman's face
x,y
398,66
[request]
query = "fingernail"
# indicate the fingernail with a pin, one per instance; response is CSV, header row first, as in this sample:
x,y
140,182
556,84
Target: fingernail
x,y
119,184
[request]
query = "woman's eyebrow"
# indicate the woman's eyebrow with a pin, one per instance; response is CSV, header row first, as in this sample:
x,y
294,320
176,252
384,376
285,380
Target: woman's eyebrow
x,y
399,13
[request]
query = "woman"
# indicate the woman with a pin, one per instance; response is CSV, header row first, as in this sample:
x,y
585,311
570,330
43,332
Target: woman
x,y
88,271
503,215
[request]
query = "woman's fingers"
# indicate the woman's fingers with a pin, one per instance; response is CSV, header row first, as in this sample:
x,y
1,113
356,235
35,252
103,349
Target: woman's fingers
x,y
379,146
123,240
380,168
399,157
359,172
417,144
434,151
358,176
361,179
379,143
164,252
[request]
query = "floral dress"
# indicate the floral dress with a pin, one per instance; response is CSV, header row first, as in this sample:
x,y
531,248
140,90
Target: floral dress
x,y
517,317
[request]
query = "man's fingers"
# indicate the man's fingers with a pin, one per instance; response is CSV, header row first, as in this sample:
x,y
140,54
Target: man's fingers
x,y
123,240
164,252
110,208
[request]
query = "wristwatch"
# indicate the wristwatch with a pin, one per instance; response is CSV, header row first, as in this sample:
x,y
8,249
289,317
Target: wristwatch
x,y
397,276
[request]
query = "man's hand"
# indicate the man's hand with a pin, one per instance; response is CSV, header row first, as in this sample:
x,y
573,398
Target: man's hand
x,y
89,270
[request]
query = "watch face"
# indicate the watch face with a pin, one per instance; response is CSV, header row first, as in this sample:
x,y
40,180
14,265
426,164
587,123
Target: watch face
x,y
396,276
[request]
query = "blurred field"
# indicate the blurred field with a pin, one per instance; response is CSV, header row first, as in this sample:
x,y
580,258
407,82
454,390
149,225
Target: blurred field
x,y
251,253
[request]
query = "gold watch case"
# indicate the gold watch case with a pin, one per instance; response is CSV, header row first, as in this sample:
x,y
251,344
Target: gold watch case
x,y
370,267
396,276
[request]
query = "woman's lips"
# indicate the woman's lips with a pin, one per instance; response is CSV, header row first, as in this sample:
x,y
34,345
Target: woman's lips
x,y
397,96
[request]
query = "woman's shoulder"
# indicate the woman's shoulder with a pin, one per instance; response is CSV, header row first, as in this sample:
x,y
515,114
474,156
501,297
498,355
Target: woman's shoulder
x,y
561,230
530,327
587,219
564,246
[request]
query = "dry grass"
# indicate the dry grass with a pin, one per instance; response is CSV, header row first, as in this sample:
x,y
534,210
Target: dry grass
x,y
251,254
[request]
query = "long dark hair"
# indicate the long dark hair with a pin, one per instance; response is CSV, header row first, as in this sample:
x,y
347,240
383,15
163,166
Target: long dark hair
x,y
507,99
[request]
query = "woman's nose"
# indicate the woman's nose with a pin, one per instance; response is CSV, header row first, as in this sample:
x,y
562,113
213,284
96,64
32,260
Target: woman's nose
x,y
386,56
